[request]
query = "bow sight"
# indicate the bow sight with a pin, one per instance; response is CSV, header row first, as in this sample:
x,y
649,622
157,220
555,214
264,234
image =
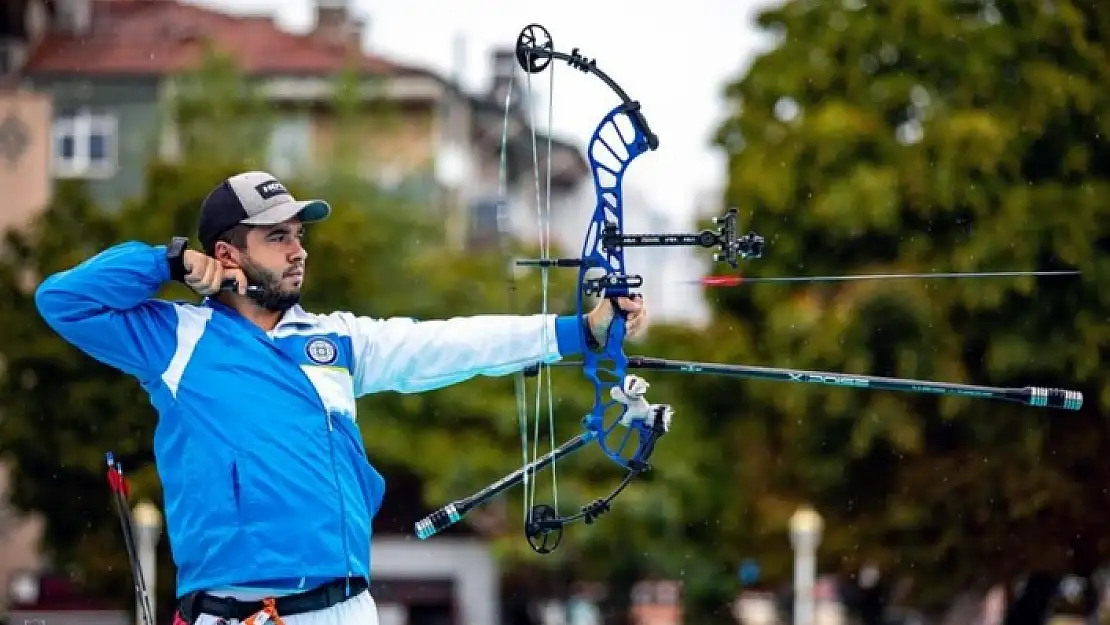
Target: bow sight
x,y
730,245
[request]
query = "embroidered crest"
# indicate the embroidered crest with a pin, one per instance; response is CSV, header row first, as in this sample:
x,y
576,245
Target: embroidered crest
x,y
321,351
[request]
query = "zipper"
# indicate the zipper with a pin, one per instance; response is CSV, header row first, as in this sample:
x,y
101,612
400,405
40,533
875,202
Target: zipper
x,y
267,338
342,503
328,420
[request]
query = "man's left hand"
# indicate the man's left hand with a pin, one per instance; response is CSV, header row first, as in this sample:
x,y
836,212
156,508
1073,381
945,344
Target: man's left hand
x,y
601,317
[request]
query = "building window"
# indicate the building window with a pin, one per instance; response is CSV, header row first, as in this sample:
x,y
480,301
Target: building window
x,y
86,146
290,149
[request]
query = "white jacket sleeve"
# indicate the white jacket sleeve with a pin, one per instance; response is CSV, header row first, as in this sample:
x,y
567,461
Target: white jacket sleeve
x,y
409,356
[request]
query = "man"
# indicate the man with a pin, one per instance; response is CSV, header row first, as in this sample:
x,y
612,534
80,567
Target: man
x,y
269,494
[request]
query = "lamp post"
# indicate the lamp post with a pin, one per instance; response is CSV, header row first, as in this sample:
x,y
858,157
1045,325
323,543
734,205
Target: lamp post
x,y
148,529
24,588
806,526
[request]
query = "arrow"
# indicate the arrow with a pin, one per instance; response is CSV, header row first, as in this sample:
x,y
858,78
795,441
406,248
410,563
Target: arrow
x,y
731,281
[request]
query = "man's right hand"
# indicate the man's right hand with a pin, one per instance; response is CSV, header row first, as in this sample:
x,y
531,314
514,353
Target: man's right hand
x,y
205,274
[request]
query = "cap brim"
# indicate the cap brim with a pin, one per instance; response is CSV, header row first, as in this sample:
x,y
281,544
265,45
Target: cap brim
x,y
307,211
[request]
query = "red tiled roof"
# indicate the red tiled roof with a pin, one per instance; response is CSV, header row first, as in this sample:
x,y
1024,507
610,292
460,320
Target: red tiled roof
x,y
156,37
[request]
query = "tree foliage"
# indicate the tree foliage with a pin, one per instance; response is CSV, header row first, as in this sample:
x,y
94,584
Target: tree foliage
x,y
906,136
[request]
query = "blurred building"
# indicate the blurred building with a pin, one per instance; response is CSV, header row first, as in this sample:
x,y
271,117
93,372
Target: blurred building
x,y
52,600
106,68
85,84
25,127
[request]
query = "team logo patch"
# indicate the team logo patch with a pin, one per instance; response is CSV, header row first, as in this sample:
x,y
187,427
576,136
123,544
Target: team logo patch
x,y
321,351
271,189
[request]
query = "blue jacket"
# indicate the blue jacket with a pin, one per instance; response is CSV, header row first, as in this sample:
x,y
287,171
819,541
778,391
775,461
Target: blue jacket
x,y
265,475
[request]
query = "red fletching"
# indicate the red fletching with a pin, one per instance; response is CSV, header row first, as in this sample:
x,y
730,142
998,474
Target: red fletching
x,y
118,483
722,280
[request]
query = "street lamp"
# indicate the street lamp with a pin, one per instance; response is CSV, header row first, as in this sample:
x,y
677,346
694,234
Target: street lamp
x,y
148,529
24,588
806,526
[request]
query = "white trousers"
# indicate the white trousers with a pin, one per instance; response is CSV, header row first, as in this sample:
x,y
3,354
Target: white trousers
x,y
358,610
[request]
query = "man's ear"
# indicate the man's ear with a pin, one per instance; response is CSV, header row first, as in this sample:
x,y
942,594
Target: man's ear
x,y
227,254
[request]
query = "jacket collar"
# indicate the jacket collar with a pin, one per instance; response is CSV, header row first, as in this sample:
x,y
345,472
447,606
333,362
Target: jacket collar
x,y
294,316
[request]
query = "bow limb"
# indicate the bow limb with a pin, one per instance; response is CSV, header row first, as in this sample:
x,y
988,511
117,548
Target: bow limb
x,y
544,526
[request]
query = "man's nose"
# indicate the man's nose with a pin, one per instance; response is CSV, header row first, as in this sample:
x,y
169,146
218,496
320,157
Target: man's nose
x,y
298,252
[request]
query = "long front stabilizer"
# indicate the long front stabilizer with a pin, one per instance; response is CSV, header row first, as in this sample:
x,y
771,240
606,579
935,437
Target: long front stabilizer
x,y
1037,396
1030,395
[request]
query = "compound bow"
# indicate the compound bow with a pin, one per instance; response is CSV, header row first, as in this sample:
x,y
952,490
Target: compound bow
x,y
622,136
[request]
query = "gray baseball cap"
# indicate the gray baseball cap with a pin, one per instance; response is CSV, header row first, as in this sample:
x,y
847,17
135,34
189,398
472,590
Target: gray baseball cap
x,y
256,198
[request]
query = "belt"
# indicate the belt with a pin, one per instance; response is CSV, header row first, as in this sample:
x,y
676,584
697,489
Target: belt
x,y
192,605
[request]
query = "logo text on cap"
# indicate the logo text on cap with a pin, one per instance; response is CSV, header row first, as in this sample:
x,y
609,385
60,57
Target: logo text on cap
x,y
271,189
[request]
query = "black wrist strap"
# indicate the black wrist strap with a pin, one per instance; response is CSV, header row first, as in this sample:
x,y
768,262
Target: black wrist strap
x,y
591,340
175,256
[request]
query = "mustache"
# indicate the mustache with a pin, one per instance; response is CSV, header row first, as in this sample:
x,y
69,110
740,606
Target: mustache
x,y
294,269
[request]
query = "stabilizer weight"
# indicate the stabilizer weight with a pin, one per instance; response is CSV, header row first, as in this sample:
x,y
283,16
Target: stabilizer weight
x,y
437,521
1055,398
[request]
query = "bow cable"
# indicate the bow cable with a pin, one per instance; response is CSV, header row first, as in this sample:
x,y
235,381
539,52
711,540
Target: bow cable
x,y
544,227
543,221
505,230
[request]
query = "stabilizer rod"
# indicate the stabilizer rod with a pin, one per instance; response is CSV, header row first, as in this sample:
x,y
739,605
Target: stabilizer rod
x,y
1036,396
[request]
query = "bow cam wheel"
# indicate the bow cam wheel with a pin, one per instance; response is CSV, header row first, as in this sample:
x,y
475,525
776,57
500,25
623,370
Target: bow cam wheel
x,y
544,530
533,48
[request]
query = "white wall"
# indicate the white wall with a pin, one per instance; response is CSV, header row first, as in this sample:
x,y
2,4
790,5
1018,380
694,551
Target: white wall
x,y
468,562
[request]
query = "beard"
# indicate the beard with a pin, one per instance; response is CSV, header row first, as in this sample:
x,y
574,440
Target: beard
x,y
269,294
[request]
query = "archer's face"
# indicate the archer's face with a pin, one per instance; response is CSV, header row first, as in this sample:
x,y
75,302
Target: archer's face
x,y
276,257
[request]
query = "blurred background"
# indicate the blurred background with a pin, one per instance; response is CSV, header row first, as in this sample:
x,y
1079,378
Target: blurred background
x,y
856,135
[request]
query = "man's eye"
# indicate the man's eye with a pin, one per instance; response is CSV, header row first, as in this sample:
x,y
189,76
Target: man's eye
x,y
284,236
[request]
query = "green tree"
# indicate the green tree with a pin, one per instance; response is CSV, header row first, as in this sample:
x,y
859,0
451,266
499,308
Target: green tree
x,y
219,112
906,136
55,400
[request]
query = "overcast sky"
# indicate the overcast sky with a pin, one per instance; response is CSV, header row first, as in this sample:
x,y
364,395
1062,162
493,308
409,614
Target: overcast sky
x,y
678,76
